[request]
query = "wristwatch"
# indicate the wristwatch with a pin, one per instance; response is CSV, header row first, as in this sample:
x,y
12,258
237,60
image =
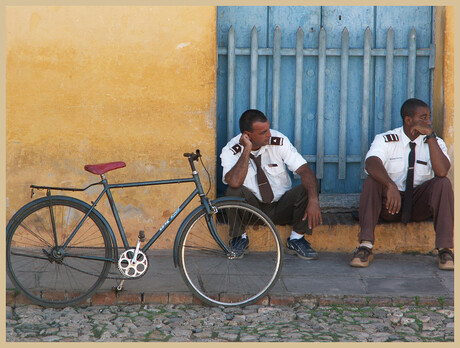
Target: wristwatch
x,y
432,135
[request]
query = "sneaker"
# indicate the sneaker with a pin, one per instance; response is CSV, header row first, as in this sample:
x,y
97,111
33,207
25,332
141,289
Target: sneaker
x,y
239,245
361,257
446,260
301,248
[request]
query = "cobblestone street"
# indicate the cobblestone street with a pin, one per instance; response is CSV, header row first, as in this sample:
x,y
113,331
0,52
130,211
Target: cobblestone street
x,y
304,321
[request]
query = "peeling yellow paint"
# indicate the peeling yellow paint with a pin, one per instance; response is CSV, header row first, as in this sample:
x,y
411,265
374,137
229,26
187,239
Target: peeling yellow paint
x,y
448,88
99,84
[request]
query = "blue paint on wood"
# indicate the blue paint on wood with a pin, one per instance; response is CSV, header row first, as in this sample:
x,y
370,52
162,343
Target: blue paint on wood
x,y
328,124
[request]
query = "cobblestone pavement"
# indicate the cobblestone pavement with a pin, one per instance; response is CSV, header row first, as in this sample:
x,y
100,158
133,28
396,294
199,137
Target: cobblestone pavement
x,y
303,321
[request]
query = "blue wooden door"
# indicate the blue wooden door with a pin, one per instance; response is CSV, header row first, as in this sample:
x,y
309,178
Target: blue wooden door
x,y
329,78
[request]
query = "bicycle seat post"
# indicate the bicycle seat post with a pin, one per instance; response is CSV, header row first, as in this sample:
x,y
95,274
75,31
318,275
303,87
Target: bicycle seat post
x,y
104,180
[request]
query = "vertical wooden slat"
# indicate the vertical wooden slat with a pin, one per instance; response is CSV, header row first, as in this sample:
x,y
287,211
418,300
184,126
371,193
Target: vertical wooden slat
x,y
411,64
231,83
343,105
276,77
298,89
388,79
321,101
366,98
254,65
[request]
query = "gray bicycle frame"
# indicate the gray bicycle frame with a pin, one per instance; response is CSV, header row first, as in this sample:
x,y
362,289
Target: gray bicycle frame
x,y
107,191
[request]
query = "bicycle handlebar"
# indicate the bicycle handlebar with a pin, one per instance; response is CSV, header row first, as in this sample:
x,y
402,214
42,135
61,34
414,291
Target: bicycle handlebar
x,y
193,155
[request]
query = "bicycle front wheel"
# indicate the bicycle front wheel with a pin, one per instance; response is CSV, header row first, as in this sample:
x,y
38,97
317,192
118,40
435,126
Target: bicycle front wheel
x,y
218,276
39,265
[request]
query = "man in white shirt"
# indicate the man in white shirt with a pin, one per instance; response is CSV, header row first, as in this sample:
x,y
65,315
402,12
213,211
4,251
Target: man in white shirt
x,y
298,206
387,192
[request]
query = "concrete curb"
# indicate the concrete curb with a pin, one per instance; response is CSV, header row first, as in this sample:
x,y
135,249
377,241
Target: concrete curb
x,y
13,299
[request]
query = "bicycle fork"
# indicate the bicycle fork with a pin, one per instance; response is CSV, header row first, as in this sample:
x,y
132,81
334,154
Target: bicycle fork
x,y
212,227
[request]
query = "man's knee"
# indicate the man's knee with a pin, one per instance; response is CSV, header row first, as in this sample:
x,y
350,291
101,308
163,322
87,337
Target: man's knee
x,y
300,195
242,192
443,183
371,184
235,192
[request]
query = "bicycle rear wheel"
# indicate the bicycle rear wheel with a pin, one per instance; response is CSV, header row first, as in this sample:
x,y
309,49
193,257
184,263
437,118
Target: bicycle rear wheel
x,y
41,268
218,277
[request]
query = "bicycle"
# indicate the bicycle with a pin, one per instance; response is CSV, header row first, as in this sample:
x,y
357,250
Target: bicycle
x,y
60,249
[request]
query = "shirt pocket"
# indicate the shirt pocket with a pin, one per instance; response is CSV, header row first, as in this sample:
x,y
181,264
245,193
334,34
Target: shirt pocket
x,y
273,169
395,165
423,167
277,175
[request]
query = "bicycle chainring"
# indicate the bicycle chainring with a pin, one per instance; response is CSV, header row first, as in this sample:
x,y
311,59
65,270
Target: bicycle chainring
x,y
133,268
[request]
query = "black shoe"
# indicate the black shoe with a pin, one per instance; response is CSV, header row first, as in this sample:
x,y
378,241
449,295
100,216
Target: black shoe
x,y
302,248
238,246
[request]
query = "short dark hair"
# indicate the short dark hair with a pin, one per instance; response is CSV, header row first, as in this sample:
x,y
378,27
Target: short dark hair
x,y
248,118
410,106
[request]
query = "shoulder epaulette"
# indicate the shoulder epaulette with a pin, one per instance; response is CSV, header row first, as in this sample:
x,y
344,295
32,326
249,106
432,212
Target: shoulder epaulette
x,y
236,148
276,141
391,137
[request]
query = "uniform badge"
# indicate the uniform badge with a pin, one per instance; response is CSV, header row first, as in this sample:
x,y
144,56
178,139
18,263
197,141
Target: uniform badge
x,y
236,148
391,137
276,141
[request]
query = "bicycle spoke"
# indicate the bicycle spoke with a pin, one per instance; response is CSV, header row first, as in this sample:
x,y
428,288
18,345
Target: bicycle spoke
x,y
47,274
234,279
39,238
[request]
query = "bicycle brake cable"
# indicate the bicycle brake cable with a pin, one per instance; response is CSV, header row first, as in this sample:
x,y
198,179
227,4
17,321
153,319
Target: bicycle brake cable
x,y
209,176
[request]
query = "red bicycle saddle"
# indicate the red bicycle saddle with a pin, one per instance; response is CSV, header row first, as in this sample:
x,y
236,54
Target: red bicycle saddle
x,y
104,167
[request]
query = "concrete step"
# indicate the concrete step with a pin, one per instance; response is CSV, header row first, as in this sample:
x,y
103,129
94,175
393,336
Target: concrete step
x,y
339,233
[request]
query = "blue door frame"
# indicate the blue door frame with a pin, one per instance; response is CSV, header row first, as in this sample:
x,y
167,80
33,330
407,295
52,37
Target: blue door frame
x,y
330,78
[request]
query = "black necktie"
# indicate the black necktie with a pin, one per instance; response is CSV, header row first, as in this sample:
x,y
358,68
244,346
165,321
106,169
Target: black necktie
x,y
264,186
408,194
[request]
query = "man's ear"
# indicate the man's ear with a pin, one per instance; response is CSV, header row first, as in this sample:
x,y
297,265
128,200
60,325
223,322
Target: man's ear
x,y
407,119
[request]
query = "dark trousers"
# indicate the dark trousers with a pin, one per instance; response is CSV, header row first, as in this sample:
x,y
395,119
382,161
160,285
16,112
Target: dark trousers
x,y
288,210
434,198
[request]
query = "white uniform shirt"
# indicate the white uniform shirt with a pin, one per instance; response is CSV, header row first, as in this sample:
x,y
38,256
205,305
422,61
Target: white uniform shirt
x,y
275,158
393,149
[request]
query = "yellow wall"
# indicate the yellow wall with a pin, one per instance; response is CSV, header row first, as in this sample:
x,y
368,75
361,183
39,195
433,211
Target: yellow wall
x,y
448,84
99,84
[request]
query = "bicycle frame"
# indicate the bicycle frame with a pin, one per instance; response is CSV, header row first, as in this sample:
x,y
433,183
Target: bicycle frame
x,y
108,193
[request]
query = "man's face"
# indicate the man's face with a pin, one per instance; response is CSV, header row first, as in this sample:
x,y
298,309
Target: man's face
x,y
422,115
260,134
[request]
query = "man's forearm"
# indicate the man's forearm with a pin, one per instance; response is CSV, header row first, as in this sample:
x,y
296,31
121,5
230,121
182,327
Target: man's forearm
x,y
376,170
309,182
439,161
236,176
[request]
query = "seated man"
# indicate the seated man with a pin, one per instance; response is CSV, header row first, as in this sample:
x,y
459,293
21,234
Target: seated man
x,y
254,166
407,169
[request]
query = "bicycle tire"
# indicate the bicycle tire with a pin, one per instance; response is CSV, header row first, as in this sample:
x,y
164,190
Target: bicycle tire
x,y
34,264
215,276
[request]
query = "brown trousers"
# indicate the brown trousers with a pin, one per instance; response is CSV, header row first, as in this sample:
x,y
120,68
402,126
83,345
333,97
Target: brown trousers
x,y
434,198
288,210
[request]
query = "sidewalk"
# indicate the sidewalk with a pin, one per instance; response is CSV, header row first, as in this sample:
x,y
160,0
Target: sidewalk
x,y
391,279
